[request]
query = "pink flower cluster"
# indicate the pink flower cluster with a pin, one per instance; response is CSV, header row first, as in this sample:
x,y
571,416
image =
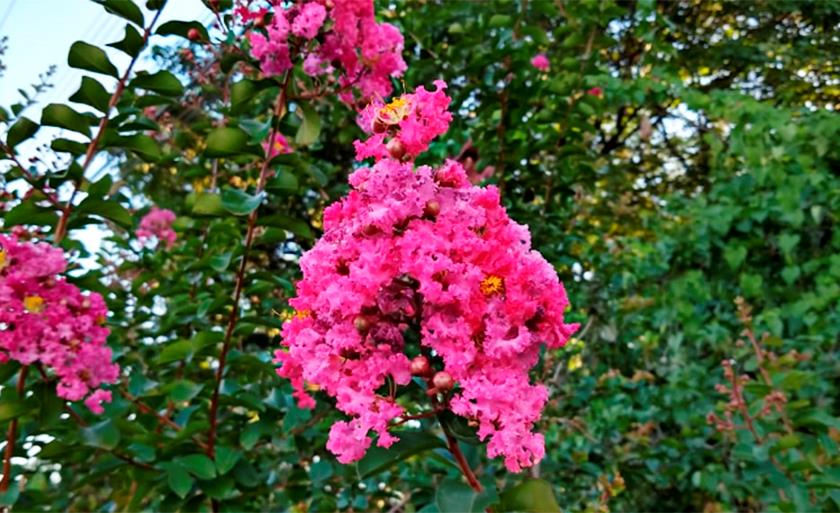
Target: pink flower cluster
x,y
404,128
423,249
368,53
45,320
158,223
541,62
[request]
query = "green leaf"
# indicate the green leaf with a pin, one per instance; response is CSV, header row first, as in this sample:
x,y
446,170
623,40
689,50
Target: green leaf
x,y
457,497
284,182
500,20
297,226
238,202
62,116
734,256
88,57
10,496
320,471
23,129
310,126
411,443
208,204
175,351
103,435
92,93
226,141
531,496
144,146
162,82
220,262
101,187
182,28
226,458
13,407
125,9
198,465
240,93
66,145
183,390
179,479
131,44
107,209
28,213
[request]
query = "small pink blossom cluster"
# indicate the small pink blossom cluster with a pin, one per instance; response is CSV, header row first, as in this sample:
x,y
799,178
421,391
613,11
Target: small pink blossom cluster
x,y
368,53
423,249
45,320
541,62
404,128
158,224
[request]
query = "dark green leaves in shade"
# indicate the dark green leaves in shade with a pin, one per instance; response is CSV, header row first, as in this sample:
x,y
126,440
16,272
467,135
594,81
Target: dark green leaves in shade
x,y
91,58
163,82
23,129
225,142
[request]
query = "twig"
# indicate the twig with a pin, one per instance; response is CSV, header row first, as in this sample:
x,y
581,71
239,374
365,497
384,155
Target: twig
x,y
61,228
280,108
11,436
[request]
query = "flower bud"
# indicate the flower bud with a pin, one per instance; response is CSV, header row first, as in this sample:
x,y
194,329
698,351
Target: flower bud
x,y
193,34
396,148
362,324
443,381
432,209
420,366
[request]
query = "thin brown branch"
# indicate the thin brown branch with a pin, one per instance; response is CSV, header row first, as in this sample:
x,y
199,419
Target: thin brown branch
x,y
11,436
279,110
452,442
61,228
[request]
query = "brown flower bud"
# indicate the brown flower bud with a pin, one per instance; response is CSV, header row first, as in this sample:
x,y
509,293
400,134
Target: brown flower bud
x,y
432,209
193,34
420,366
443,381
396,148
362,324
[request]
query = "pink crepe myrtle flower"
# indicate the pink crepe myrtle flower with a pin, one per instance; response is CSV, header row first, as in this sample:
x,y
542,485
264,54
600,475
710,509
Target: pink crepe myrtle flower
x,y
541,62
309,20
365,54
158,224
279,146
424,249
596,92
50,322
406,126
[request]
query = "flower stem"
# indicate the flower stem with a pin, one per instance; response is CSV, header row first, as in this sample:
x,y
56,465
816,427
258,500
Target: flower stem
x,y
279,111
61,227
11,436
459,457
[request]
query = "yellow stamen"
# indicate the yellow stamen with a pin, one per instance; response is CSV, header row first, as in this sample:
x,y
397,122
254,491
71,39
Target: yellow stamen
x,y
34,304
394,112
2,259
492,285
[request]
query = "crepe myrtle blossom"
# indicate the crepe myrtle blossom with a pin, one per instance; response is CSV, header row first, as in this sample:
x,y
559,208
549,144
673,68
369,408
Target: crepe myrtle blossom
x,y
404,128
540,61
367,54
158,224
46,321
422,249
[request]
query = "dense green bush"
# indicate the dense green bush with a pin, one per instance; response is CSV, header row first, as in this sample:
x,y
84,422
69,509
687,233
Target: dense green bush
x,y
676,156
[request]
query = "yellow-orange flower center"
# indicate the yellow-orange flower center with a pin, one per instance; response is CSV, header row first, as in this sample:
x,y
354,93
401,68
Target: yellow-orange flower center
x,y
33,304
492,285
394,112
2,259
